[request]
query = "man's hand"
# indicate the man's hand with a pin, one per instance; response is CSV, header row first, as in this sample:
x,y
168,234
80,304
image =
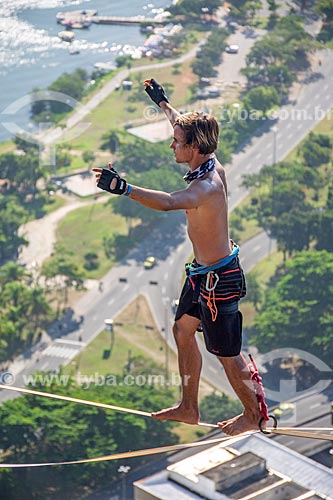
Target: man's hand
x,y
109,180
155,91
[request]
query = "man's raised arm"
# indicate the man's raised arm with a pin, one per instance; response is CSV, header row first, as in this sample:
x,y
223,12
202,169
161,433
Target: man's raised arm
x,y
158,96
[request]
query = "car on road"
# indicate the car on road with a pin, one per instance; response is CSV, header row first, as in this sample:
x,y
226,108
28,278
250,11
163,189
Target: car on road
x,y
284,410
174,305
149,262
232,49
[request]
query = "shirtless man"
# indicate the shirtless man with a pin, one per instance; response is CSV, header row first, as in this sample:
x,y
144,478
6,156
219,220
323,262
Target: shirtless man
x,y
215,280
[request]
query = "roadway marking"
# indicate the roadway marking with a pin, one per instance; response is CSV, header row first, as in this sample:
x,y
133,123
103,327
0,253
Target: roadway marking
x,y
300,125
257,248
72,342
327,97
111,301
317,96
291,441
139,273
290,136
315,406
166,275
259,155
60,352
289,125
280,146
126,287
163,290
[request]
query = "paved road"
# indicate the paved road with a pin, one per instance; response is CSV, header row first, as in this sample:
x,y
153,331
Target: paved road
x,y
279,136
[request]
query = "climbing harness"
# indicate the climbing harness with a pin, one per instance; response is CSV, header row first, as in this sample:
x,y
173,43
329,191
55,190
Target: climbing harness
x,y
195,272
193,269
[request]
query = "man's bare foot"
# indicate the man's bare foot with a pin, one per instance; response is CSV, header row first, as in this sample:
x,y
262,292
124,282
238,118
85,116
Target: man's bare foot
x,y
239,424
178,413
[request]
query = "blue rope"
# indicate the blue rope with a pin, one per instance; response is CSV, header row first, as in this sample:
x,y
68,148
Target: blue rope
x,y
191,270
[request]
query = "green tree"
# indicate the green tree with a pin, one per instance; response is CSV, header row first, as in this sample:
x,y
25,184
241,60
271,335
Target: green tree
x,y
24,310
298,309
316,149
140,156
218,407
110,141
62,265
325,8
262,99
12,216
254,292
36,429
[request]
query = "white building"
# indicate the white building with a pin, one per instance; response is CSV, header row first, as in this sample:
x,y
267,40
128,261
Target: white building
x,y
242,468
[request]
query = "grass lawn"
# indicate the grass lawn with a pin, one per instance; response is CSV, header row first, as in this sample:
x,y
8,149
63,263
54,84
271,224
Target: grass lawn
x,y
55,203
7,147
83,230
266,268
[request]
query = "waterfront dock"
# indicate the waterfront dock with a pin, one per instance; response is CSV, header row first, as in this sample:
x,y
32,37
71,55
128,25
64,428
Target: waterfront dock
x,y
77,19
124,20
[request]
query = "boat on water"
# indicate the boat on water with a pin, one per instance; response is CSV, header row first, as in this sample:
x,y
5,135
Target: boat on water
x,y
105,67
76,19
67,36
73,50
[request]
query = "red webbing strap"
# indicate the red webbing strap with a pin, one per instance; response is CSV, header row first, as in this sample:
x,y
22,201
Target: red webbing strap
x,y
258,388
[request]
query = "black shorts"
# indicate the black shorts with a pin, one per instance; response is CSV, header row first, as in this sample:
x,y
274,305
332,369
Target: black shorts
x,y
223,337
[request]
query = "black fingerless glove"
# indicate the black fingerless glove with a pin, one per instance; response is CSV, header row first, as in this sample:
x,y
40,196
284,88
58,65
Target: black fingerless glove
x,y
105,179
156,92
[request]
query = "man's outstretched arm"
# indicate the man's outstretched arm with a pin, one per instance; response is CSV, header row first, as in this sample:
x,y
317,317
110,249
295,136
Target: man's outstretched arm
x,y
157,94
193,196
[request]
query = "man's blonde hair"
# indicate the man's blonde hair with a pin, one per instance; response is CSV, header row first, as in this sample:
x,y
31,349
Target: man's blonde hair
x,y
201,130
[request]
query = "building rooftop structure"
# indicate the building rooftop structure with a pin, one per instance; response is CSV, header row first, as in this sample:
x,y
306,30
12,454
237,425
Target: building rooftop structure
x,y
242,468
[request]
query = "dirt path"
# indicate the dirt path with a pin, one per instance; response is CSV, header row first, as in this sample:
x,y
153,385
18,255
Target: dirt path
x,y
41,234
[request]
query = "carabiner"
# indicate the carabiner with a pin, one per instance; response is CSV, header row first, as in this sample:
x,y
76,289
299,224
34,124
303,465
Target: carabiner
x,y
210,288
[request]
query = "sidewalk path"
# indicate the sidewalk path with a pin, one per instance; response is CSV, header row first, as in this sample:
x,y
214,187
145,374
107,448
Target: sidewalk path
x,y
41,234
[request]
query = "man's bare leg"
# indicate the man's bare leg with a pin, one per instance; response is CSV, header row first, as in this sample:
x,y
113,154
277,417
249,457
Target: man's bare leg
x,y
189,362
239,377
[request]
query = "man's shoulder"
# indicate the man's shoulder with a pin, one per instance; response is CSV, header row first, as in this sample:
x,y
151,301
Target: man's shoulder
x,y
219,166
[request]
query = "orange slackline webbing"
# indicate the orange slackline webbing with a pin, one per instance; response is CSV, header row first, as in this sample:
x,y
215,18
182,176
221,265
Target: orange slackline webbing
x,y
86,402
324,433
129,454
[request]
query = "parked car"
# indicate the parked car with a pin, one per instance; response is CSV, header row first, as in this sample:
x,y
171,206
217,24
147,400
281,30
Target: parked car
x,y
149,262
284,410
232,49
